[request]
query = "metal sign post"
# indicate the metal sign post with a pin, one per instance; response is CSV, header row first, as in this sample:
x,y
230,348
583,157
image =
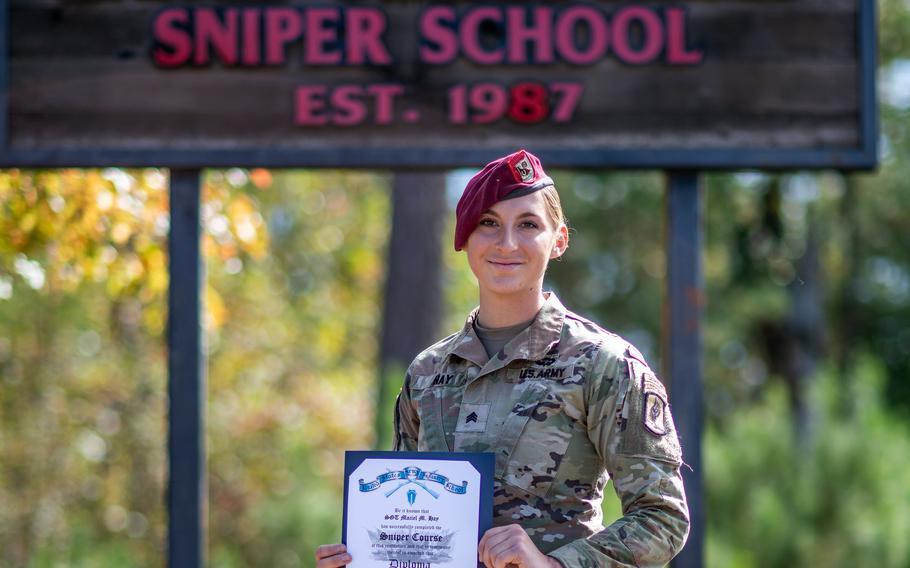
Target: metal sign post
x,y
186,488
682,342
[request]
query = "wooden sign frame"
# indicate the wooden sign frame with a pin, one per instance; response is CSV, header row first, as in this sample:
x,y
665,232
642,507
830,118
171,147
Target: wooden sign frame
x,y
863,156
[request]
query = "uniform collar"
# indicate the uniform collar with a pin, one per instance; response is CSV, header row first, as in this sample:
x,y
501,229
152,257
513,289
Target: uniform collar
x,y
532,343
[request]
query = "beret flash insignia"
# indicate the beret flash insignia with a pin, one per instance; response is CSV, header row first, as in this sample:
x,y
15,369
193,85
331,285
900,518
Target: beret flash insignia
x,y
522,168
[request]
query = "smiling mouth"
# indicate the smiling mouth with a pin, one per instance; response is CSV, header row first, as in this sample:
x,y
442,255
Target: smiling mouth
x,y
504,263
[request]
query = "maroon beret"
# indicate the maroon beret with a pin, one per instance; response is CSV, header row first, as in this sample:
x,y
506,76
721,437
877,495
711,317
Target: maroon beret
x,y
506,178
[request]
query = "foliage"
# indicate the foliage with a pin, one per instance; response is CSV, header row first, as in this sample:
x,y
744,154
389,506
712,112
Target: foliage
x,y
291,303
291,366
839,503
894,21
82,276
614,267
881,283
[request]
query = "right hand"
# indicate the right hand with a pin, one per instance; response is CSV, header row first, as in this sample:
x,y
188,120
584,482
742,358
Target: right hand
x,y
332,556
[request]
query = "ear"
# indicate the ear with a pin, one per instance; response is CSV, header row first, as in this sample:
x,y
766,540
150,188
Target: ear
x,y
561,242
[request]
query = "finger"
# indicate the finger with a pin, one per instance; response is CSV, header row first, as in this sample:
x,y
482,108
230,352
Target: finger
x,y
484,543
506,552
481,542
335,561
512,532
485,556
498,533
496,536
498,543
482,551
492,544
326,550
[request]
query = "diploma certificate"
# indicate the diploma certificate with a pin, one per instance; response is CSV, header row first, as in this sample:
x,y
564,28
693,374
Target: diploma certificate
x,y
416,509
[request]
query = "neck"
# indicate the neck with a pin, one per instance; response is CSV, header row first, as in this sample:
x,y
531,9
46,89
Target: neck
x,y
504,310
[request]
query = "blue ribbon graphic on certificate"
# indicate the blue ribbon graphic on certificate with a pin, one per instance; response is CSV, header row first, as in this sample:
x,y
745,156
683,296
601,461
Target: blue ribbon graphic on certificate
x,y
414,475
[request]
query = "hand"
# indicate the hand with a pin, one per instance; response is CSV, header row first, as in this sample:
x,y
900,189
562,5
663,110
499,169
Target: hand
x,y
332,556
510,545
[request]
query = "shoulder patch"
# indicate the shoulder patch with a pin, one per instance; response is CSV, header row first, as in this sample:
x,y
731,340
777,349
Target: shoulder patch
x,y
655,404
649,427
650,383
654,410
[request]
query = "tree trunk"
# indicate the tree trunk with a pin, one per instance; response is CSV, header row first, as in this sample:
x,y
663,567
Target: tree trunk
x,y
413,294
849,312
805,324
794,345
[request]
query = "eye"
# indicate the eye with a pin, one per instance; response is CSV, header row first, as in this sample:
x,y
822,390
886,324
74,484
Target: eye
x,y
487,222
529,225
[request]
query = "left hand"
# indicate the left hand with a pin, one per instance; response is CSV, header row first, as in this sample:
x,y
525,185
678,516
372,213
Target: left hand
x,y
510,545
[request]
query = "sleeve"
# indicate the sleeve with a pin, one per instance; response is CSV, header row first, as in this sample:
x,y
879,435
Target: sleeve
x,y
629,423
407,421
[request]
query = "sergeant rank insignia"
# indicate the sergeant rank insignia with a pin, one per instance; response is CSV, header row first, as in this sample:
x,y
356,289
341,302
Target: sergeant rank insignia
x,y
473,417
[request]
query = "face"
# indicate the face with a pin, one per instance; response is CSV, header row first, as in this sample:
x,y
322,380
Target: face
x,y
512,245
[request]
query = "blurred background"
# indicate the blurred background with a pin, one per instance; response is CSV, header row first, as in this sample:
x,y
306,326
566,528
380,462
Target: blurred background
x,y
807,347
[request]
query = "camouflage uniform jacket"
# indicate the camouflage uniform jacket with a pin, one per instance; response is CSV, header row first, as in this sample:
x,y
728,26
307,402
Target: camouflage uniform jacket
x,y
563,405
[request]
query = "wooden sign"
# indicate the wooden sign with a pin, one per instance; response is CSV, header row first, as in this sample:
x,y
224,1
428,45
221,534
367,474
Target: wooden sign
x,y
698,84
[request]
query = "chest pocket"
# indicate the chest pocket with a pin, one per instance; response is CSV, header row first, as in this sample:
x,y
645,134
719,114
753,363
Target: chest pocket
x,y
437,406
534,438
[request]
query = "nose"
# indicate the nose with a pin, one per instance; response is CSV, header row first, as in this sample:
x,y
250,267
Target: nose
x,y
507,240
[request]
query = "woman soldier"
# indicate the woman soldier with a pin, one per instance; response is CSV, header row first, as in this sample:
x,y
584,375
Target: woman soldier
x,y
562,403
